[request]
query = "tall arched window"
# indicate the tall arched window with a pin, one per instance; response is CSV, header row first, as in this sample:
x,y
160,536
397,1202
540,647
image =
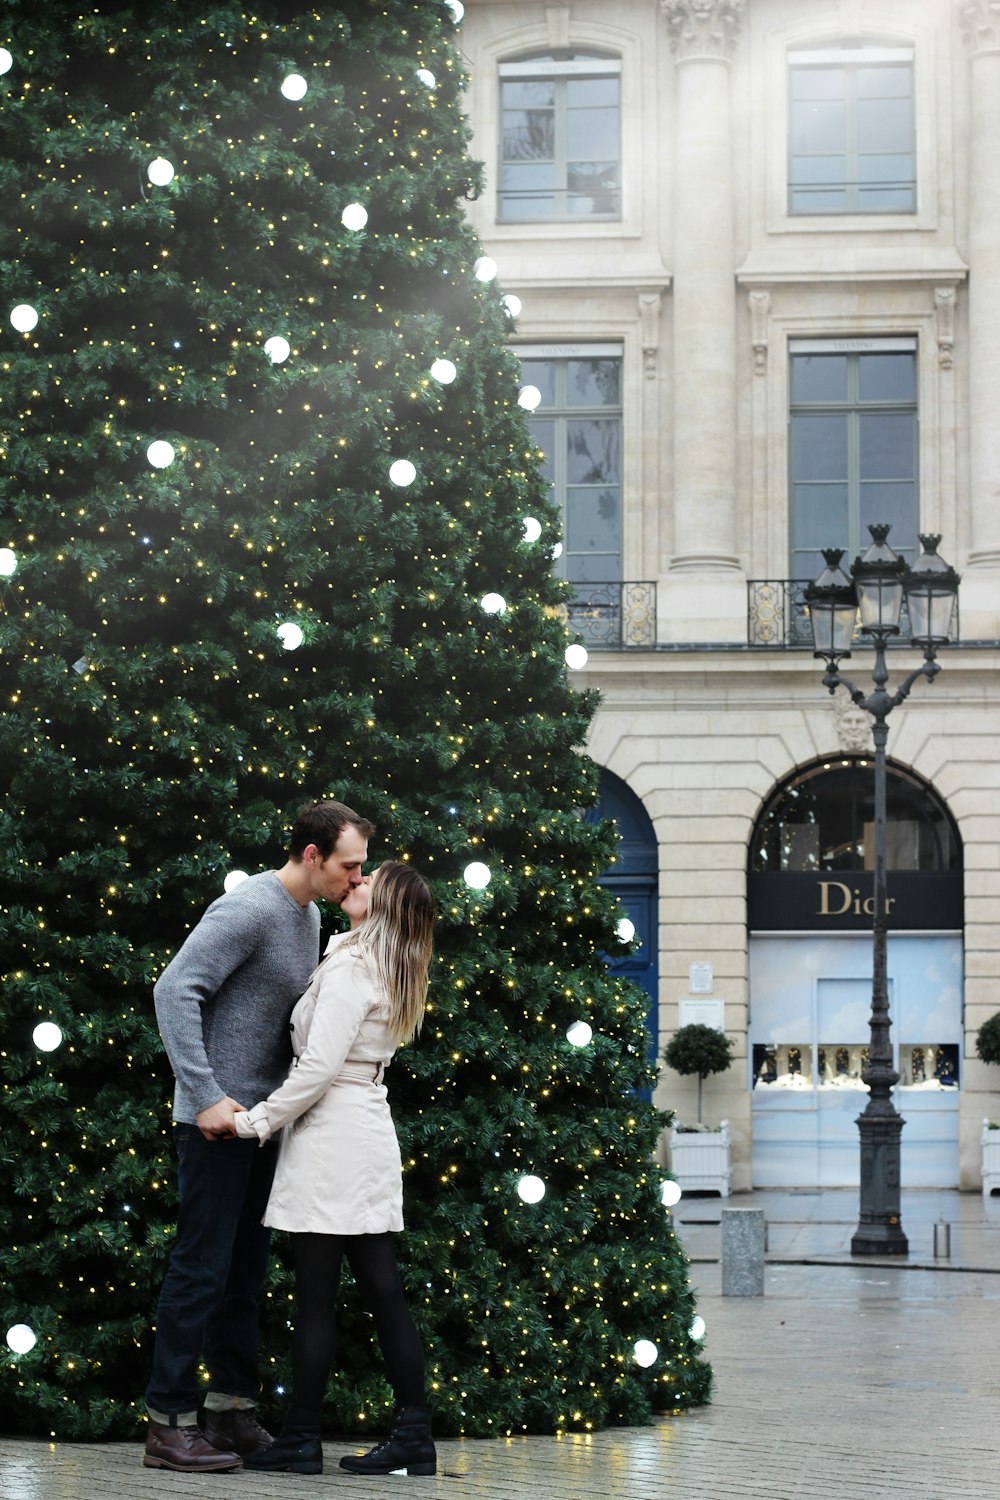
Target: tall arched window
x,y
560,137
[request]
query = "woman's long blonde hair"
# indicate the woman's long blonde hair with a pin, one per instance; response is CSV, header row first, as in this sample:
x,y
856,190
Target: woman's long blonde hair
x,y
396,939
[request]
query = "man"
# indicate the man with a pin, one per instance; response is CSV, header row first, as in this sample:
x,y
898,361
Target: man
x,y
222,1005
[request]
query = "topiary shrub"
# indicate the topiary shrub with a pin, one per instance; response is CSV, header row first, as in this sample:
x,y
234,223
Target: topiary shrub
x,y
988,1040
700,1050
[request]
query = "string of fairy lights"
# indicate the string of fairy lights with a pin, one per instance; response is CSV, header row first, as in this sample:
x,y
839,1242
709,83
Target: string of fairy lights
x,y
402,472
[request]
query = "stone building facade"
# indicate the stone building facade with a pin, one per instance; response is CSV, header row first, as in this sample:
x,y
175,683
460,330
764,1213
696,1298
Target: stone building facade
x,y
756,245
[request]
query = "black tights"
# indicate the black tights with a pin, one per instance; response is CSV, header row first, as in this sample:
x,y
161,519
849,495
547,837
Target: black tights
x,y
372,1259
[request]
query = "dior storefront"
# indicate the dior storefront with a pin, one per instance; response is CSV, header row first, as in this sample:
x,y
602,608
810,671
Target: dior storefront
x,y
809,892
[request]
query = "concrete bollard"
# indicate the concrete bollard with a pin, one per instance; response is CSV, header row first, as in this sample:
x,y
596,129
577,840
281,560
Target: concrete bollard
x,y
743,1237
942,1240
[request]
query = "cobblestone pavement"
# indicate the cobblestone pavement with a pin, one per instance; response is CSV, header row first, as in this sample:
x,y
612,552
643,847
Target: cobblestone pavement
x,y
845,1380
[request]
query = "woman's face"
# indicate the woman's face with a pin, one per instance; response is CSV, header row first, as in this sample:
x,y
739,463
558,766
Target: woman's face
x,y
355,903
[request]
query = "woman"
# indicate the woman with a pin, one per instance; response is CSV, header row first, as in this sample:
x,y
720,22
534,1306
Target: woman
x,y
338,1185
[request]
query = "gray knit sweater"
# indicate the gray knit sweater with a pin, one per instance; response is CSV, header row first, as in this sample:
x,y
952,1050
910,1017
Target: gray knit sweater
x,y
223,1001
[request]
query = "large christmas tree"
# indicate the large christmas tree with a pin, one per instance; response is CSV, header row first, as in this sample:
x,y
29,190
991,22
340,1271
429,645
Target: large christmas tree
x,y
268,526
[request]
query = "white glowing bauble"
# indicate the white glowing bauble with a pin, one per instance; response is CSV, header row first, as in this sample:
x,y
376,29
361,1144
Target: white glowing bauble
x,y
457,9
21,1338
557,551
294,87
531,1189
493,604
6,60
277,349
485,268
233,879
443,371
532,529
530,397
513,304
579,1034
576,657
477,876
24,317
427,78
8,562
290,635
160,172
626,929
402,472
697,1329
670,1194
46,1036
160,454
355,216
645,1353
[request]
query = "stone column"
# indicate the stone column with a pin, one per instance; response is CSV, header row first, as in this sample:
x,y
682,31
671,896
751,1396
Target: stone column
x,y
705,591
980,596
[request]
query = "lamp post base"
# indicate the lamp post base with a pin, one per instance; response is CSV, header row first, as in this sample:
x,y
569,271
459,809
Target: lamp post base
x,y
880,1231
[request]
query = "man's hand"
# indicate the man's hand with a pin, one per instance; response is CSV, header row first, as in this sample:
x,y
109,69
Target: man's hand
x,y
216,1123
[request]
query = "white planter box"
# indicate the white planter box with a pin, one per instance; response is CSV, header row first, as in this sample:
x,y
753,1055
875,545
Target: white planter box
x,y
700,1159
990,1140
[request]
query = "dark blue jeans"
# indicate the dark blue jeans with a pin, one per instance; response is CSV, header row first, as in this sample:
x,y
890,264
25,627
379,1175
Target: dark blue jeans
x,y
208,1304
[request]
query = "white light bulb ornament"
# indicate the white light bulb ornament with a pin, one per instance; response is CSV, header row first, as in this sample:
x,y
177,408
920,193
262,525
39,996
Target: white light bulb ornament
x,y
402,472
530,397
24,317
354,217
160,171
427,78
493,604
47,1036
21,1339
580,1034
477,876
697,1330
513,304
484,268
8,562
6,60
294,87
233,879
670,1193
576,657
161,454
531,1189
277,349
532,529
457,10
626,930
645,1353
443,371
290,635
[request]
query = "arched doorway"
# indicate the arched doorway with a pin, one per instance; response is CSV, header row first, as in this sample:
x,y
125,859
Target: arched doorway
x,y
809,897
633,879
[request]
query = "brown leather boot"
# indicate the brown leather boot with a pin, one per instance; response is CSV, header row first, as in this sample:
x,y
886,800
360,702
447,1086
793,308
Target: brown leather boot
x,y
235,1431
184,1449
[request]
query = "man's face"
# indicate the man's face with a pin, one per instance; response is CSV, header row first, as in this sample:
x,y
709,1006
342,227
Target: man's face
x,y
331,878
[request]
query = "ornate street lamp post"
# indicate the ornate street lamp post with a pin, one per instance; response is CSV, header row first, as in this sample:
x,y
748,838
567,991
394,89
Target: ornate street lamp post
x,y
876,589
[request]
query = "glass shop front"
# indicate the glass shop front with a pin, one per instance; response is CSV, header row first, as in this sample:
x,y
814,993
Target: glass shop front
x,y
810,907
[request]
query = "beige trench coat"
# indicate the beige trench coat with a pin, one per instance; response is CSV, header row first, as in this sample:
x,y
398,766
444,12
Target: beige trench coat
x,y
338,1166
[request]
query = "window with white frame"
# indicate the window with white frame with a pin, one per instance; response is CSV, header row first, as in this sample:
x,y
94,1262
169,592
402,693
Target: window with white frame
x,y
560,137
578,427
852,139
852,446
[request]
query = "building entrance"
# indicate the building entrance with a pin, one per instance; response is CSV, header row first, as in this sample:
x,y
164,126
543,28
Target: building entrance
x,y
810,966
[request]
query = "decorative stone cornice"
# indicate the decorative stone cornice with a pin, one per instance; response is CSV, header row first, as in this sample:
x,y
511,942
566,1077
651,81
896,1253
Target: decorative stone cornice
x,y
979,23
703,28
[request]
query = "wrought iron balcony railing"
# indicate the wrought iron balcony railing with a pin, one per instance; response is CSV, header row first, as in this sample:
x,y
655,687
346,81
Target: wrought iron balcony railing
x,y
614,615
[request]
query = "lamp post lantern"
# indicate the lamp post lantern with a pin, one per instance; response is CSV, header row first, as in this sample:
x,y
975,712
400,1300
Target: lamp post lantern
x,y
879,582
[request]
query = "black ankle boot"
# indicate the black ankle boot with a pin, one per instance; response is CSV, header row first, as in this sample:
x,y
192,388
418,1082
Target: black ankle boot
x,y
409,1448
296,1450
